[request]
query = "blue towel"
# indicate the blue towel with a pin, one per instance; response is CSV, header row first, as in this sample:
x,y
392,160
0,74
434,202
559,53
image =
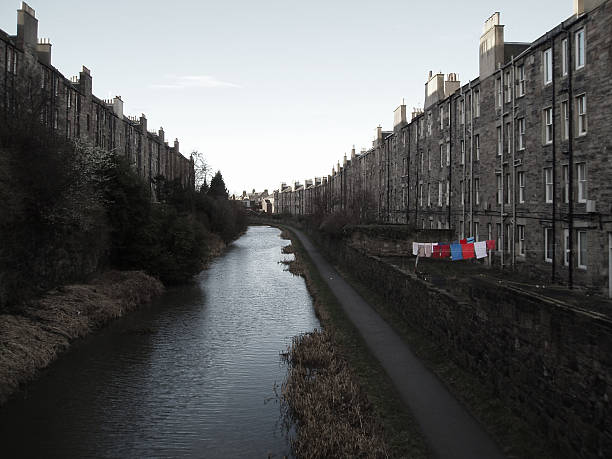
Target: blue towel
x,y
456,252
470,239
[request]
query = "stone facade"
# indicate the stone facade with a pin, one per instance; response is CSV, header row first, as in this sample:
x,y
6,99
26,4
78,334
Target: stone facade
x,y
69,107
520,154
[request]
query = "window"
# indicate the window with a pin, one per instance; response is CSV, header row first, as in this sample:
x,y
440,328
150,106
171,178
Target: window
x,y
462,193
507,240
521,186
439,194
508,189
582,249
68,129
548,126
566,247
521,133
476,104
582,182
580,50
421,194
566,183
508,86
521,80
462,111
428,160
428,195
462,152
55,119
68,98
520,229
548,182
564,66
509,137
499,141
429,123
476,233
447,192
421,163
548,245
547,65
499,188
498,230
449,113
489,231
477,191
448,154
565,117
581,109
441,156
498,91
441,117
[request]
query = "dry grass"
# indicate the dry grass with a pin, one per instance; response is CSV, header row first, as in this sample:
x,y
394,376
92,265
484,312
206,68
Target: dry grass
x,y
323,399
33,337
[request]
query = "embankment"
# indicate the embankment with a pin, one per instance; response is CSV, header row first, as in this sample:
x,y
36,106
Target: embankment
x,y
33,336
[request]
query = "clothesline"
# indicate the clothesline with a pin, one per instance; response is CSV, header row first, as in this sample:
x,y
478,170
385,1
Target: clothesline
x,y
464,249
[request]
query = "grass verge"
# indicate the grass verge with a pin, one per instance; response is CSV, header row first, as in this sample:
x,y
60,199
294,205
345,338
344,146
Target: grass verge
x,y
399,430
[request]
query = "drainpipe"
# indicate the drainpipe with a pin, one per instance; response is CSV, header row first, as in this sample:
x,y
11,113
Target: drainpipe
x,y
450,165
418,184
514,166
462,191
387,155
554,165
471,160
570,167
501,163
408,181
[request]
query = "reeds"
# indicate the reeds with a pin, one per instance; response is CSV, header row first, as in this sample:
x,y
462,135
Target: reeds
x,y
322,399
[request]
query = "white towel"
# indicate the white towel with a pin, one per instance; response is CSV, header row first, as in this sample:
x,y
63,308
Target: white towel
x,y
415,248
481,249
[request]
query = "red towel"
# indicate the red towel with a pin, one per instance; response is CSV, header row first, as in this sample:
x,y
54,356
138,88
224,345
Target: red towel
x,y
437,252
467,250
445,251
463,241
490,244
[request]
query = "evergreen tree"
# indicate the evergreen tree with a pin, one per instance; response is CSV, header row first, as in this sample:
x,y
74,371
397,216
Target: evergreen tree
x,y
217,187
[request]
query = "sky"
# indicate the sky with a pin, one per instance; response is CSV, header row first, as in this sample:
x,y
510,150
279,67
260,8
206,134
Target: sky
x,y
273,91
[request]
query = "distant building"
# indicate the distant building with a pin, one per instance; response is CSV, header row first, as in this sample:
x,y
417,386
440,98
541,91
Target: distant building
x,y
520,155
69,108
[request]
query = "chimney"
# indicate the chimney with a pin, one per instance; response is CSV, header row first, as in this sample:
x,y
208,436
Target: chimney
x,y
176,146
27,28
434,89
399,116
584,6
353,153
161,134
491,46
345,160
118,107
451,84
85,81
143,123
43,51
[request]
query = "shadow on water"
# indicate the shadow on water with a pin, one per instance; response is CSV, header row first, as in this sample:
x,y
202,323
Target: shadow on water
x,y
191,375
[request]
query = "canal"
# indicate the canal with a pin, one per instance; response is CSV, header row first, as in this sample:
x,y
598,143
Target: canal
x,y
193,375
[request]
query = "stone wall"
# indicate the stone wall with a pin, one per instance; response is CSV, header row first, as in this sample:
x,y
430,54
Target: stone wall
x,y
550,363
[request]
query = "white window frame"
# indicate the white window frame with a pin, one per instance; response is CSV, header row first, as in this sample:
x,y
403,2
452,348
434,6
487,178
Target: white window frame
x,y
579,38
581,115
462,185
476,103
428,159
508,86
548,185
521,186
508,187
477,191
500,146
441,117
566,249
428,194
564,62
547,69
441,155
500,184
421,194
565,169
440,194
448,155
447,192
565,119
521,133
462,152
548,234
477,145
520,230
476,231
498,91
521,80
581,174
582,245
547,119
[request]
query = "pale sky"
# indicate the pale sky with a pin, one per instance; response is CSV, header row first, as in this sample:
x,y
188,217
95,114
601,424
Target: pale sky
x,y
272,90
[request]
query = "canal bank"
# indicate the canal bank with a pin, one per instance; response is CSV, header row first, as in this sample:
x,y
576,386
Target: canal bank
x,y
32,337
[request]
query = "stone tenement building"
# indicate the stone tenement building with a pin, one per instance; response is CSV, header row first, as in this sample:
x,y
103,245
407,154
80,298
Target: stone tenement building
x,y
72,110
521,154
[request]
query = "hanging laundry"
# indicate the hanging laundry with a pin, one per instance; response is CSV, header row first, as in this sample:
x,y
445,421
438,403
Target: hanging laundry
x,y
445,251
480,248
456,252
415,248
490,244
437,251
421,252
467,251
428,250
471,240
463,241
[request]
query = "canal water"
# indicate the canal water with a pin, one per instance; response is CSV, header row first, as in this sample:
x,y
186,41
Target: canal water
x,y
193,375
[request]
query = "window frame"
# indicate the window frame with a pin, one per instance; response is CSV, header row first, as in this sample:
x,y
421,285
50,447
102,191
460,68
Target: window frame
x,y
547,123
548,186
580,63
547,67
564,55
477,145
581,115
521,186
477,191
582,181
548,239
520,236
582,245
521,80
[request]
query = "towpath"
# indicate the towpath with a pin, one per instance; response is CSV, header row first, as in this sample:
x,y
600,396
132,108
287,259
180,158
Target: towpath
x,y
450,430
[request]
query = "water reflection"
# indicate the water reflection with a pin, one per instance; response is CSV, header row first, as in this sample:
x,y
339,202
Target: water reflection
x,y
188,376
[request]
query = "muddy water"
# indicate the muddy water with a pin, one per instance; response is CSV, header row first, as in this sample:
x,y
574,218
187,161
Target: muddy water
x,y
191,376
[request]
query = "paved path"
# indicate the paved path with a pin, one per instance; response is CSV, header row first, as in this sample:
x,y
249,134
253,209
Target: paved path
x,y
450,430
